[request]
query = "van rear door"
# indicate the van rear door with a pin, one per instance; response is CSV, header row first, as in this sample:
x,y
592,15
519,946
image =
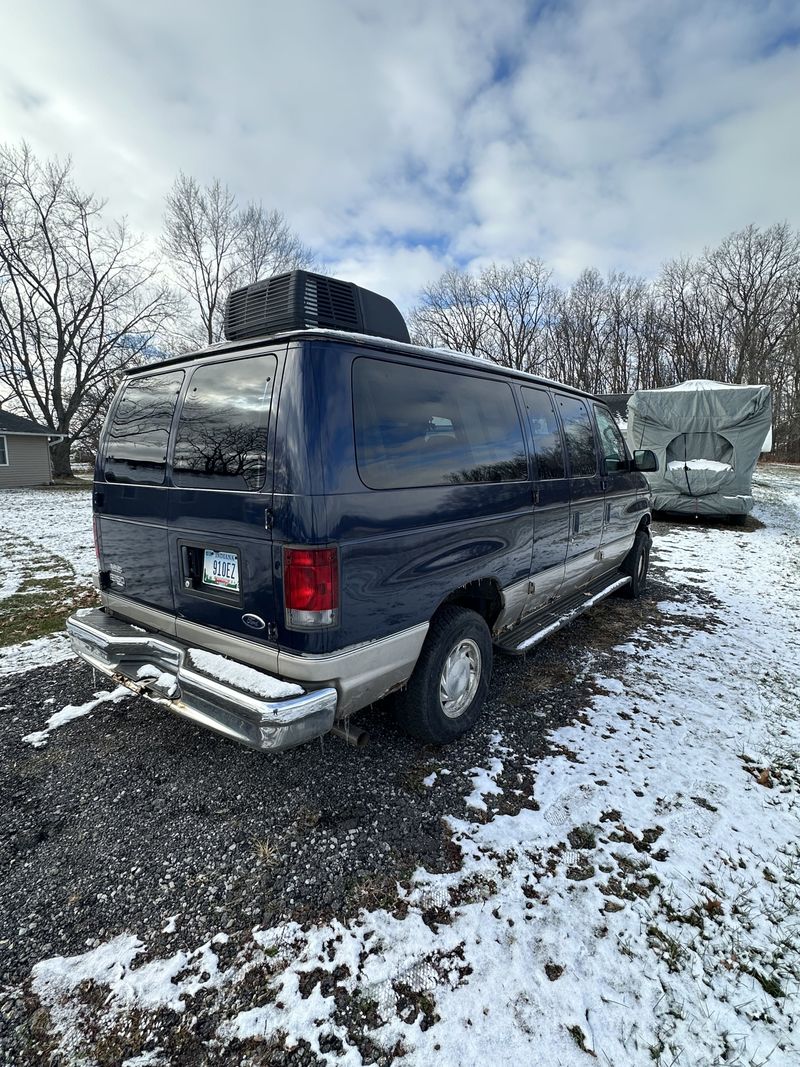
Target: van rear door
x,y
220,500
130,496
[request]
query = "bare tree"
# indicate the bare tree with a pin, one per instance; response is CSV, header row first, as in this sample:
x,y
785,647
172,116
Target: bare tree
x,y
202,230
754,276
268,246
731,314
212,245
453,314
519,303
79,299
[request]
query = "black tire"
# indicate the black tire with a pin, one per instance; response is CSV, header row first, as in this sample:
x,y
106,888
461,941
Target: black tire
x,y
420,708
636,565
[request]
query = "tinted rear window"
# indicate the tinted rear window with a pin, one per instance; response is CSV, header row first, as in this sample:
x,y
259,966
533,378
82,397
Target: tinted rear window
x,y
547,440
579,434
136,447
221,441
416,427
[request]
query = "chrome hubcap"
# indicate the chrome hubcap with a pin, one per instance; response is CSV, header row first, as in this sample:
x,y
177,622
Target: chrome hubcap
x,y
460,677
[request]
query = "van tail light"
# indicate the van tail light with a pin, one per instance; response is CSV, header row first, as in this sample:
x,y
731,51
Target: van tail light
x,y
96,535
311,586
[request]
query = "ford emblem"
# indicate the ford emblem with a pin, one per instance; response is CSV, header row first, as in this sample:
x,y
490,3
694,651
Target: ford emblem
x,y
255,622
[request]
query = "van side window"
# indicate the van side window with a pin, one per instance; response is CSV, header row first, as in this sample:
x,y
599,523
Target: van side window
x,y
612,443
415,426
222,429
136,448
579,433
547,440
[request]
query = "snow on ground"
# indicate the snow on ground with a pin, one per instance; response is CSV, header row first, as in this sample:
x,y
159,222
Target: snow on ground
x,y
40,652
645,913
45,534
58,521
39,738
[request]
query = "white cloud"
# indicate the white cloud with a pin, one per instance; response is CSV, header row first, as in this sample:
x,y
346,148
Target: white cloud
x,y
399,139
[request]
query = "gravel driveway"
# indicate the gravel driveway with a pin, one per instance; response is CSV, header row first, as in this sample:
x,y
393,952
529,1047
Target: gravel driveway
x,y
131,838
129,816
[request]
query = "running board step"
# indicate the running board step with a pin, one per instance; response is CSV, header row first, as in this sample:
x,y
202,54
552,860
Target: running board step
x,y
528,633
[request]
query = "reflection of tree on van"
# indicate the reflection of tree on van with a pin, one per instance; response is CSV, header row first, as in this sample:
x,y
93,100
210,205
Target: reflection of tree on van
x,y
222,431
216,450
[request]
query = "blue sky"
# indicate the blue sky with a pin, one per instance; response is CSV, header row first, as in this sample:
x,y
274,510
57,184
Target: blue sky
x,y
401,139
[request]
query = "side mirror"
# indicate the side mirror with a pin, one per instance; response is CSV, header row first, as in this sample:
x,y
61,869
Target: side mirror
x,y
644,460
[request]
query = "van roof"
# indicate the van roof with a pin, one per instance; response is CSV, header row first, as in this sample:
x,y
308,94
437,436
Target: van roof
x,y
441,355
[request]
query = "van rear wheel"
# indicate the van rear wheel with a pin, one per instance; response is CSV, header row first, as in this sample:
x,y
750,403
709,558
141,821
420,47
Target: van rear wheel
x,y
445,694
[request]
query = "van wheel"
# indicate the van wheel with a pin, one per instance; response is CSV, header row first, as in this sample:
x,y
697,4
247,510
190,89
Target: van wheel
x,y
636,565
444,696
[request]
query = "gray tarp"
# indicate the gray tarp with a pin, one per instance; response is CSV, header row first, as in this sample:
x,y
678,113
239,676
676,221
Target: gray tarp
x,y
707,438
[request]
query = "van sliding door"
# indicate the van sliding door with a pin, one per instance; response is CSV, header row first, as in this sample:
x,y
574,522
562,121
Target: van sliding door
x,y
551,501
587,499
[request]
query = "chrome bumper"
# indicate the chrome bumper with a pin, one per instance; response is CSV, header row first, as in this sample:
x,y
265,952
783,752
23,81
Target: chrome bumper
x,y
119,649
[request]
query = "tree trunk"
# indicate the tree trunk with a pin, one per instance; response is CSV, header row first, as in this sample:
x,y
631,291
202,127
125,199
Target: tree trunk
x,y
59,455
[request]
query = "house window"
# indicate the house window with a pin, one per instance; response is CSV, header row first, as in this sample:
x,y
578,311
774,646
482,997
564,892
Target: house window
x,y
3,453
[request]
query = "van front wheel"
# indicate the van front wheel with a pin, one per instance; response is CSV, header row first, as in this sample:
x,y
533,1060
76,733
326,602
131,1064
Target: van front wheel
x,y
445,693
636,565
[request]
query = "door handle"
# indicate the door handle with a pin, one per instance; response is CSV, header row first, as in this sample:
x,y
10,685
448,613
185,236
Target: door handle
x,y
576,521
535,496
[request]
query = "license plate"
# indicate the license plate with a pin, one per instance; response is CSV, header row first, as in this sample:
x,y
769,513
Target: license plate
x,y
221,570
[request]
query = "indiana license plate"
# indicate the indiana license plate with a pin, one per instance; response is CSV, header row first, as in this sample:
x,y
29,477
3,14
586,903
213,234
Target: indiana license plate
x,y
221,570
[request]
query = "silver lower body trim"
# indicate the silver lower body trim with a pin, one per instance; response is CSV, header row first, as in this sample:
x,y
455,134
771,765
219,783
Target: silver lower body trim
x,y
573,613
360,674
119,650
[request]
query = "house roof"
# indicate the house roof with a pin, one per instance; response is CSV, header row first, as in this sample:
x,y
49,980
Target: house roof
x,y
10,423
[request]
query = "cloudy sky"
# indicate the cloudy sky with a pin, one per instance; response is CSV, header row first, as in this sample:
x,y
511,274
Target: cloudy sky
x,y
402,138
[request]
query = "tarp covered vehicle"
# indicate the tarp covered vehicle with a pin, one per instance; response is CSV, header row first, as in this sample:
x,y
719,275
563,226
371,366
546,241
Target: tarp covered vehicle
x,y
707,437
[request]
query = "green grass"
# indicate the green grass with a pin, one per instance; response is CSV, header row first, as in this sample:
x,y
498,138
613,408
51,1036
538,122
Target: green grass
x,y
39,605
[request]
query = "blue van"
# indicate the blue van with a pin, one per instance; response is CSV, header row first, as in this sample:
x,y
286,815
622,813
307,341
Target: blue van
x,y
314,514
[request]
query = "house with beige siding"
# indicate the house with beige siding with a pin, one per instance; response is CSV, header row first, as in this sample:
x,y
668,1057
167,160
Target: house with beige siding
x,y
24,452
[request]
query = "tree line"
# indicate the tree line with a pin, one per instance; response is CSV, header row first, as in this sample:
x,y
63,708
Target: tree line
x,y
82,298
731,314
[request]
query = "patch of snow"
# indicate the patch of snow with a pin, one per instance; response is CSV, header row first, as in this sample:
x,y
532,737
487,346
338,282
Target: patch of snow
x,y
171,926
484,783
38,652
429,781
56,520
243,677
74,711
698,465
163,680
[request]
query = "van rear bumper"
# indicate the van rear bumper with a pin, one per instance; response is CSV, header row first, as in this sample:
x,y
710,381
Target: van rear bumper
x,y
121,650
